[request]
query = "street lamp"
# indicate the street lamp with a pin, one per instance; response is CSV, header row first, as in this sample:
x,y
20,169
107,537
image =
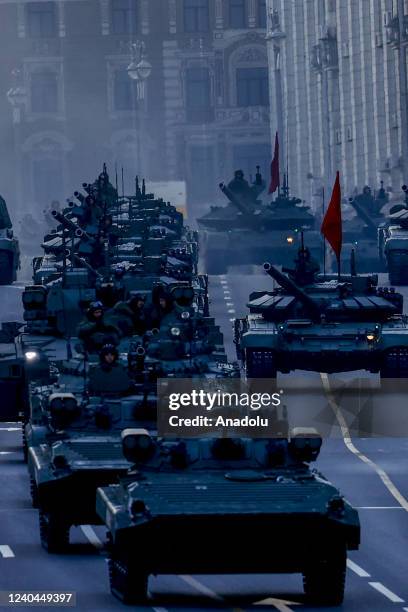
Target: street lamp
x,y
139,70
17,97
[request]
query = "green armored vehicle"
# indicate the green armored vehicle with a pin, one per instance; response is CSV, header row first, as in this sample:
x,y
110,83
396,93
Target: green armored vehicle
x,y
360,233
393,242
224,506
324,324
9,248
246,231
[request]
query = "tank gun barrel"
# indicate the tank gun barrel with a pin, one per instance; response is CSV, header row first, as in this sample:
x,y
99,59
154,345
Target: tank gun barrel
x,y
363,215
80,260
291,287
234,199
71,226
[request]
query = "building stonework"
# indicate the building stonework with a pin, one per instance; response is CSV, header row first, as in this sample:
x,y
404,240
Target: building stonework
x,y
67,103
339,93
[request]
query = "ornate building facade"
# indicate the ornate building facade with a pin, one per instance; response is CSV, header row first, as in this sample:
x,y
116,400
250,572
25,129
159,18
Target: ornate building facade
x,y
339,91
67,102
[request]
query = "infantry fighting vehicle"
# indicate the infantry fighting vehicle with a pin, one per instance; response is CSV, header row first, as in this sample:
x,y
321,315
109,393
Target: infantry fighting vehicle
x,y
9,248
360,233
246,231
393,242
324,324
207,504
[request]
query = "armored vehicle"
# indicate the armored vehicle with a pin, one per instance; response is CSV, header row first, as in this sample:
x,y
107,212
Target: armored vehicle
x,y
246,231
393,242
324,324
9,248
360,234
207,504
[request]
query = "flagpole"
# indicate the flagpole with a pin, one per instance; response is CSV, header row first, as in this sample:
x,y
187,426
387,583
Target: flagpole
x,y
324,237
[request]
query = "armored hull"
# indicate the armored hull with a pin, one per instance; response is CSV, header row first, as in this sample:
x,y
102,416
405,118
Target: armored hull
x,y
228,505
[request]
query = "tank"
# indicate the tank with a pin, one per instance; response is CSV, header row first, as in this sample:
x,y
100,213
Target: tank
x,y
183,498
9,248
324,324
246,231
360,234
393,242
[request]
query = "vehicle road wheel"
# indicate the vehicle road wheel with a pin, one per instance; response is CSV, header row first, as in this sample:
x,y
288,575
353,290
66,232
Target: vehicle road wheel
x,y
260,364
215,263
324,581
395,363
34,493
54,533
128,583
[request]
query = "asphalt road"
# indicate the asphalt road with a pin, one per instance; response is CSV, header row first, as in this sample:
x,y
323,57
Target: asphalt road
x,y
372,475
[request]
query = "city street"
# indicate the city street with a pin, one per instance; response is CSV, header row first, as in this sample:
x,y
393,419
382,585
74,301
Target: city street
x,y
372,474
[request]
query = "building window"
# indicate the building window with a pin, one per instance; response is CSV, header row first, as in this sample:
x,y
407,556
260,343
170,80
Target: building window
x,y
48,183
122,91
198,95
201,186
124,16
196,16
44,92
262,13
252,87
41,19
237,13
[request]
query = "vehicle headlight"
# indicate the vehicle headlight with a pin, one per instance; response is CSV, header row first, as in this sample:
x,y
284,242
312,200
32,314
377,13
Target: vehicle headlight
x,y
289,239
175,331
185,314
31,355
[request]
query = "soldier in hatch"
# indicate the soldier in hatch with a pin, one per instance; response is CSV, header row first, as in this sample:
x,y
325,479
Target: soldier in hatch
x,y
109,377
239,185
131,316
95,331
162,305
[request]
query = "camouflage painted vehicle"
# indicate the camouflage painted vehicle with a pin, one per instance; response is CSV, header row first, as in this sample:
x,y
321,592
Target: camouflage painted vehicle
x,y
9,248
323,324
393,242
246,231
185,497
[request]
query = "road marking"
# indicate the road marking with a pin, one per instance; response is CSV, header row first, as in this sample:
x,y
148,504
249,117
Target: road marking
x,y
10,428
357,569
378,586
231,311
200,587
6,552
7,452
379,508
279,604
403,502
230,303
90,534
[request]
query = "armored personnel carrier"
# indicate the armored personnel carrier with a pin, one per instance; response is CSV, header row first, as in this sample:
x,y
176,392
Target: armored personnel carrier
x,y
246,231
324,324
185,497
360,234
393,242
9,248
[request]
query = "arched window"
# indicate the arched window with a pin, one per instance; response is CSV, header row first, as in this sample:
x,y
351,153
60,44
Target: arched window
x,y
252,86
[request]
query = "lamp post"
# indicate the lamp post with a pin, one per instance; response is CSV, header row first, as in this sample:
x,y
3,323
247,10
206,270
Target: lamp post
x,y
17,97
139,70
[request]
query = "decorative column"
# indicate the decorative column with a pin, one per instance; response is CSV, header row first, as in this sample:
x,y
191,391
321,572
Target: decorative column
x,y
219,15
172,16
105,21
251,13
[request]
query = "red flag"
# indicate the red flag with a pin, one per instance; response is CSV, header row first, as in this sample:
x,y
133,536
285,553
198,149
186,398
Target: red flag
x,y
275,180
332,226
